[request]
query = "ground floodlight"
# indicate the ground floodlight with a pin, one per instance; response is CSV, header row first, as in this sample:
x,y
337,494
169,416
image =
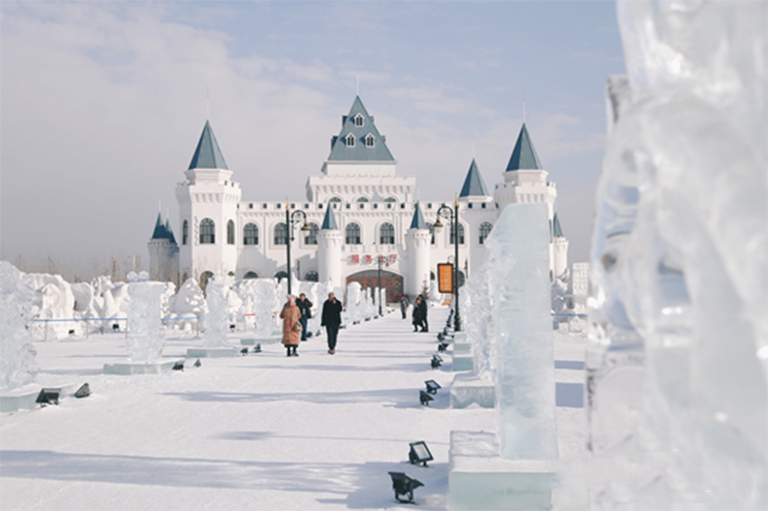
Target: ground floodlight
x,y
440,336
197,363
442,347
436,361
425,398
48,397
115,327
257,348
419,453
83,391
432,386
178,366
244,351
232,328
403,484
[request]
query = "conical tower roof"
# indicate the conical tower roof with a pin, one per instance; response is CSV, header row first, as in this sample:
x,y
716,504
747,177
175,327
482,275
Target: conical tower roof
x,y
359,124
160,233
557,231
169,231
329,221
524,154
208,154
473,184
418,218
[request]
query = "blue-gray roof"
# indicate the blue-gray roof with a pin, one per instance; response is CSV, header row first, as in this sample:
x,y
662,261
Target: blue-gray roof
x,y
329,222
473,184
418,218
208,154
160,232
360,151
169,231
524,154
557,230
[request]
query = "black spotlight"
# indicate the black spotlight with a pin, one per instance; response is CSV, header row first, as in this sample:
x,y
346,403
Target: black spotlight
x,y
440,337
425,398
436,361
115,327
197,363
83,391
403,484
232,328
71,332
178,366
48,397
442,347
432,386
244,351
257,348
419,453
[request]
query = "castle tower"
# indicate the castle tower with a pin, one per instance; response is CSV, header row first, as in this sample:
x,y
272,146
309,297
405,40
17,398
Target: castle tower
x,y
329,242
559,248
208,201
417,245
163,253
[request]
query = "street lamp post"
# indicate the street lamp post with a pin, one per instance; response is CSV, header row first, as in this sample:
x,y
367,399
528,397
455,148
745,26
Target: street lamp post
x,y
453,216
378,298
290,219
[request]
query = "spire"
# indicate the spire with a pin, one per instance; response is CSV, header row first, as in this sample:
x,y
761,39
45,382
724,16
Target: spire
x,y
359,140
329,222
524,154
160,232
556,229
418,218
473,184
169,231
208,154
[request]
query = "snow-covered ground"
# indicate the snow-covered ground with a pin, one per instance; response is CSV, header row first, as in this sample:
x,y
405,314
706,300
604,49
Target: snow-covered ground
x,y
262,431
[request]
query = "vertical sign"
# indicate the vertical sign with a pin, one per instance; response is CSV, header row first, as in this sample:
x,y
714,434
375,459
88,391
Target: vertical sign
x,y
445,277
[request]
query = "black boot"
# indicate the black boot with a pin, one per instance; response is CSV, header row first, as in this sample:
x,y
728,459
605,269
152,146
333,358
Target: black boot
x,y
287,351
294,351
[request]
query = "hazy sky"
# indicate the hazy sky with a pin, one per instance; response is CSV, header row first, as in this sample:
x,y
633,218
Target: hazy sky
x,y
102,104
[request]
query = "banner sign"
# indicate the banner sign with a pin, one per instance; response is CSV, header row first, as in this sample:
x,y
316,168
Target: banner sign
x,y
445,277
371,259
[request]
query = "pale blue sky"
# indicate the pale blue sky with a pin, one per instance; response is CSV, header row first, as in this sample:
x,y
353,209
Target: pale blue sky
x,y
102,103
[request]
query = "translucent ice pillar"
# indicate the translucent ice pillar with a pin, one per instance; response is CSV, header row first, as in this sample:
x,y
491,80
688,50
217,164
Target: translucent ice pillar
x,y
217,317
523,327
17,355
146,333
265,299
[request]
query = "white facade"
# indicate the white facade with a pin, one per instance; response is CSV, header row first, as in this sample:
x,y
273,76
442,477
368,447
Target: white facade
x,y
373,211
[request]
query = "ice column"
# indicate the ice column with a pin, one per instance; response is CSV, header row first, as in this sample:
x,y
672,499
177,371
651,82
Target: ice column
x,y
217,317
353,302
265,298
17,355
146,333
525,365
476,302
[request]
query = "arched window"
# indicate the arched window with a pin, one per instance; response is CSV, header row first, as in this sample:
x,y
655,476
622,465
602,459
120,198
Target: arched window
x,y
350,140
431,228
353,234
362,199
251,274
207,232
281,275
461,234
387,234
230,233
431,275
251,234
311,238
369,140
485,231
359,120
281,234
390,199
184,232
311,276
334,199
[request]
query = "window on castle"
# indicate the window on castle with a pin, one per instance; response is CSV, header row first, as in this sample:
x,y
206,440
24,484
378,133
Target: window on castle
x,y
359,120
461,234
281,234
353,234
251,274
369,140
230,233
362,199
311,238
207,232
184,232
390,199
485,231
431,228
350,140
251,234
311,276
387,234
334,199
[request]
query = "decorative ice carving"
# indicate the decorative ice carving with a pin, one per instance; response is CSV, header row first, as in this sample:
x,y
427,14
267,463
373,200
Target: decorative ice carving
x,y
217,317
17,355
146,333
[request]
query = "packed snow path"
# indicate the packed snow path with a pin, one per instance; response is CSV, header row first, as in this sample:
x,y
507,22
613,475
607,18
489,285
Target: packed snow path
x,y
263,431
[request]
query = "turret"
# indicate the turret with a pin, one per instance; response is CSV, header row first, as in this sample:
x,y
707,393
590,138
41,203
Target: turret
x,y
559,248
417,245
163,253
329,242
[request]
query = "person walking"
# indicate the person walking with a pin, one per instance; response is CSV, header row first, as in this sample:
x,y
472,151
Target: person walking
x,y
423,315
404,305
416,313
331,320
305,306
291,316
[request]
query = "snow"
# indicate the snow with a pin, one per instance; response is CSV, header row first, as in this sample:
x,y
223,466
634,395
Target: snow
x,y
258,432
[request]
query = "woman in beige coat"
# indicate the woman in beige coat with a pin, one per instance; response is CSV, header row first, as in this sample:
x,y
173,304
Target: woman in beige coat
x,y
291,336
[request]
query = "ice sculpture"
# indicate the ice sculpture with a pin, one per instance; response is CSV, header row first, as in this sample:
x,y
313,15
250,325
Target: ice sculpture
x,y
146,333
266,298
217,317
17,355
523,328
678,360
353,302
477,304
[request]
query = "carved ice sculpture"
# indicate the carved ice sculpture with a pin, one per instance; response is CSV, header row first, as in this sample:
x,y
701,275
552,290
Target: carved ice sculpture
x,y
17,355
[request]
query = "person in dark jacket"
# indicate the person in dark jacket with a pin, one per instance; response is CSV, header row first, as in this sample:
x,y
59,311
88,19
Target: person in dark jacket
x,y
331,320
423,315
305,306
416,313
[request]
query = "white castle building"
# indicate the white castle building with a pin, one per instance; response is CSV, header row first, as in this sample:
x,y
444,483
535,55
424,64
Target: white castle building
x,y
357,209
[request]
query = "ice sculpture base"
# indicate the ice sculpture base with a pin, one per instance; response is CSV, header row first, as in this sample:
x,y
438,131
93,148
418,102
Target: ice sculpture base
x,y
26,396
469,389
252,341
222,352
463,359
480,479
126,368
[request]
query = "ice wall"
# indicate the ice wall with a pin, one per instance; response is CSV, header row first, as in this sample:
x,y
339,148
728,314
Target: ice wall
x,y
354,302
477,319
677,368
17,355
523,328
146,333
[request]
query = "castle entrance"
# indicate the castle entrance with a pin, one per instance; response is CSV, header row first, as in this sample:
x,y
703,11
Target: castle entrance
x,y
392,282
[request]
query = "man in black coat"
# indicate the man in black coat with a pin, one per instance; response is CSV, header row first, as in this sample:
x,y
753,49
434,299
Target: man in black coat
x,y
424,306
331,320
305,306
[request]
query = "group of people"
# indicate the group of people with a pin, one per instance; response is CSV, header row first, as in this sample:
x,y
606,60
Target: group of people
x,y
296,313
419,314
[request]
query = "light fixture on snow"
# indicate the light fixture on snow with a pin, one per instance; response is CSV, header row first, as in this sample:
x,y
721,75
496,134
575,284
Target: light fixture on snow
x,y
403,484
197,363
442,347
48,397
178,366
432,386
436,361
425,398
244,351
257,348
83,391
419,453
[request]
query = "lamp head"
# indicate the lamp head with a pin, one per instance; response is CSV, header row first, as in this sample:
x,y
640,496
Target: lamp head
x,y
306,227
438,225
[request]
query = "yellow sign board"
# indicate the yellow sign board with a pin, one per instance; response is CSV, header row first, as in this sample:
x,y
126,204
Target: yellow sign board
x,y
445,277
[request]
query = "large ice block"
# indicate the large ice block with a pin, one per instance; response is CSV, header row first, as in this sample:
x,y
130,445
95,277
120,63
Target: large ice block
x,y
17,355
217,317
523,328
146,333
